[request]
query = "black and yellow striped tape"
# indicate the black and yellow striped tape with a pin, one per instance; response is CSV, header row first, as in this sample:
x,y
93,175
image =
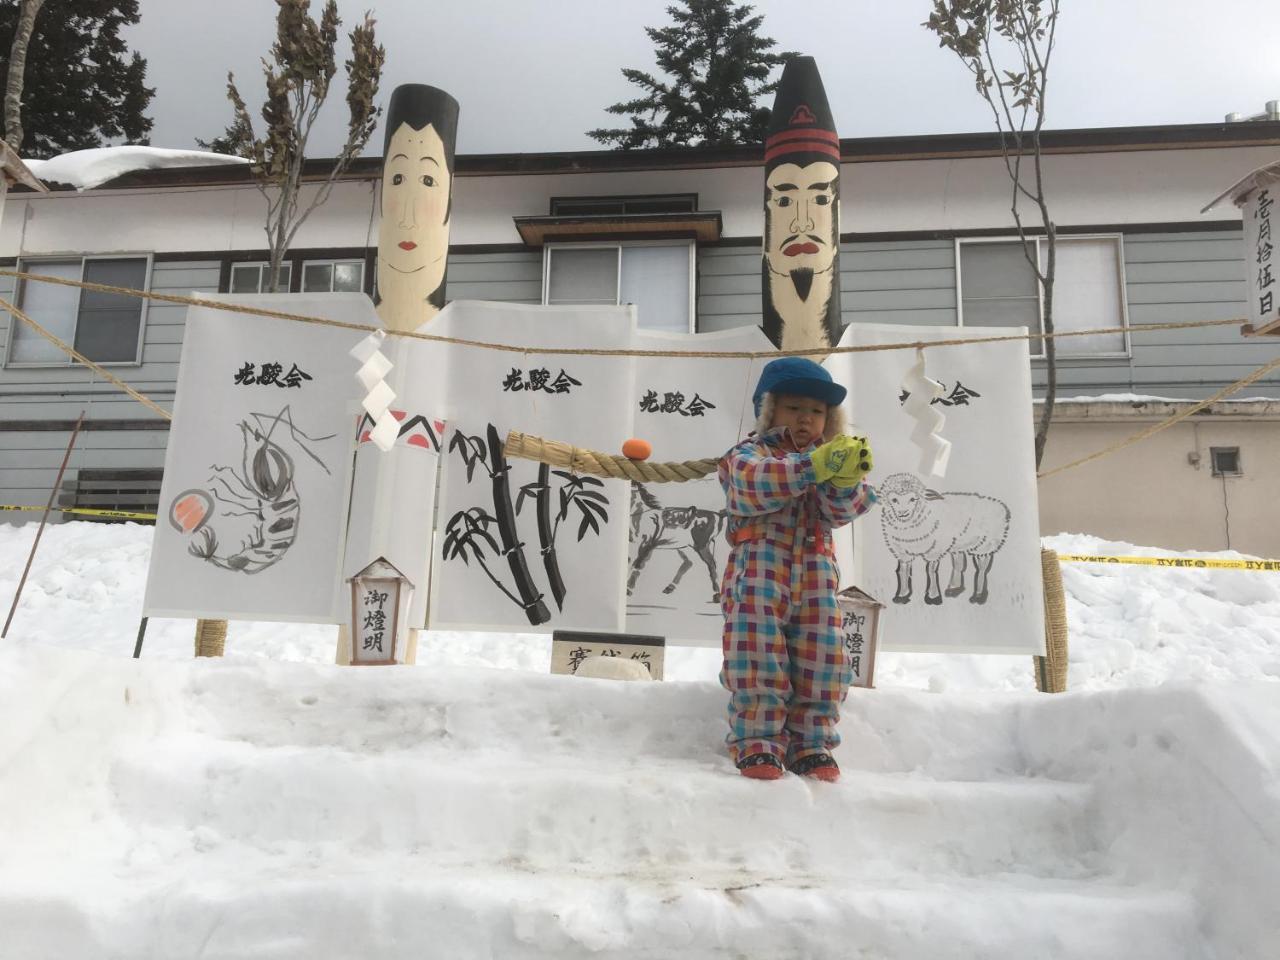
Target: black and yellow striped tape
x,y
1179,563
88,511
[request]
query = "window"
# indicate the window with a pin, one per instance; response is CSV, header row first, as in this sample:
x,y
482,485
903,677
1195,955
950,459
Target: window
x,y
656,277
105,327
328,276
256,277
997,288
1225,461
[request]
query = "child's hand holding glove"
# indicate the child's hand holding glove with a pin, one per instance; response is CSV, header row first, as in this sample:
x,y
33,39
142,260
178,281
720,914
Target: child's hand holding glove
x,y
843,460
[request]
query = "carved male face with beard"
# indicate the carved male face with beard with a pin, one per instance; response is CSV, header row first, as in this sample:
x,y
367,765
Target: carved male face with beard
x,y
802,222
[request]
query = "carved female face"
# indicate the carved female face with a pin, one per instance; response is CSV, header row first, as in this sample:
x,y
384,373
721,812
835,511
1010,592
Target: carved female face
x,y
413,239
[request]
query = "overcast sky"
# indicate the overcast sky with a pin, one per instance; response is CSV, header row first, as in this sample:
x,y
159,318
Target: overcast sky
x,y
534,75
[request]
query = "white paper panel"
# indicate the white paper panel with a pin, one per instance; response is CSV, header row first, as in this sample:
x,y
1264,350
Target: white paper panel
x,y
393,493
984,510
581,400
687,409
258,472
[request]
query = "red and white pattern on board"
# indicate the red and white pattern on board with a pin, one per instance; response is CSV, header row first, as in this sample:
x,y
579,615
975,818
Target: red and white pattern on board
x,y
416,430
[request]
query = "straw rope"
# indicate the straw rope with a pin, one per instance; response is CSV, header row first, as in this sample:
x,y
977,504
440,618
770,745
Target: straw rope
x,y
1226,391
1051,669
97,368
606,352
593,462
577,460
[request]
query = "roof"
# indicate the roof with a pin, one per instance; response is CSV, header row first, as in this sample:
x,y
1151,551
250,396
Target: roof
x,y
15,171
1197,136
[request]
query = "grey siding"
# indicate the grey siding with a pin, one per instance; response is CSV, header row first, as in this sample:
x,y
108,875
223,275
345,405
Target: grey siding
x,y
909,282
1176,277
509,277
29,459
1169,277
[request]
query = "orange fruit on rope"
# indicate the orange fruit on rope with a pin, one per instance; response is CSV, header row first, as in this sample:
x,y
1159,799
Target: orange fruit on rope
x,y
637,449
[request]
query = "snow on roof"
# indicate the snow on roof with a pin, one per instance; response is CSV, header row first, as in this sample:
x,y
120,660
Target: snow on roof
x,y
1143,398
86,169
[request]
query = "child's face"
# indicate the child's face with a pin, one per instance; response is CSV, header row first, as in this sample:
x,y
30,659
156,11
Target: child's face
x,y
806,417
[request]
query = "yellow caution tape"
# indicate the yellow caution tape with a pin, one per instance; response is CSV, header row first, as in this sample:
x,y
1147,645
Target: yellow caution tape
x,y
1182,563
118,514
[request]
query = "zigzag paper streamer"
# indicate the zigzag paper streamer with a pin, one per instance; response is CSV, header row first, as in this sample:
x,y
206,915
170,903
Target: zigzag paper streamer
x,y
374,366
921,392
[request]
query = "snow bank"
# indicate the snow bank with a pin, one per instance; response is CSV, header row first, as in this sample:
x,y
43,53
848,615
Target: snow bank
x,y
86,169
250,808
1129,626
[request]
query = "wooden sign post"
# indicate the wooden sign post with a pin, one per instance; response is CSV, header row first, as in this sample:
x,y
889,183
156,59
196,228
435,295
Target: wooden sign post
x,y
380,596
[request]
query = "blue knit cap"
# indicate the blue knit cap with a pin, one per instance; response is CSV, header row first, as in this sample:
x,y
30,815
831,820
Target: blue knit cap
x,y
798,377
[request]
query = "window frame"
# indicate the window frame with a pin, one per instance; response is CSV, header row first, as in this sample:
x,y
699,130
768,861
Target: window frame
x,y
1214,466
617,245
332,262
1038,239
69,362
261,265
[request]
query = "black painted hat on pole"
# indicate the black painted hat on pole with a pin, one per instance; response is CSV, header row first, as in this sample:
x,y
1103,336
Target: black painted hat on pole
x,y
801,127
418,105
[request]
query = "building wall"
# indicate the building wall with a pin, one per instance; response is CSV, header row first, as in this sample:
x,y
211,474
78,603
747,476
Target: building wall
x,y
1182,272
1153,494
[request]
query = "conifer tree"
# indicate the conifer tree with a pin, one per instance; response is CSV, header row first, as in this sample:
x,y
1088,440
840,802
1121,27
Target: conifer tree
x,y
81,88
717,68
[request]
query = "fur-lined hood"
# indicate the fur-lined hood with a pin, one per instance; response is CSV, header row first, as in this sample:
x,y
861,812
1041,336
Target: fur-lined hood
x,y
834,426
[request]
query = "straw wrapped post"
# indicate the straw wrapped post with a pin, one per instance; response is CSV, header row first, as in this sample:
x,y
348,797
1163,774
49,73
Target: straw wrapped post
x,y
579,460
1051,669
211,638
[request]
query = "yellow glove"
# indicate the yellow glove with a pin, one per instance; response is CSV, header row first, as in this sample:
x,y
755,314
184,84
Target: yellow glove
x,y
832,457
856,466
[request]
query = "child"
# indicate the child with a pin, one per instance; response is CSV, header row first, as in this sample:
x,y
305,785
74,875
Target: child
x,y
787,486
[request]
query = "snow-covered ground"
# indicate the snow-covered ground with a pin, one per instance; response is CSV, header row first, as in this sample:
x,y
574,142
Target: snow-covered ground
x,y
270,805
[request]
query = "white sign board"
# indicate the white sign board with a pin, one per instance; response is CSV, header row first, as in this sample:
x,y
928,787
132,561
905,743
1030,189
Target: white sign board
x,y
519,545
393,492
687,409
954,559
257,469
1261,264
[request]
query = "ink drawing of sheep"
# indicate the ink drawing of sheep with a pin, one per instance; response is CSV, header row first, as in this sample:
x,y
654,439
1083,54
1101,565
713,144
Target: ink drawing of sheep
x,y
920,522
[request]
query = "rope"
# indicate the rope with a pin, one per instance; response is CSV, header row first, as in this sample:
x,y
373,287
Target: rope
x,y
577,460
602,464
1226,391
604,352
80,357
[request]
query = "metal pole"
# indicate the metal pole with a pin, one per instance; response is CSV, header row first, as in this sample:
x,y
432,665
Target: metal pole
x,y
142,632
57,483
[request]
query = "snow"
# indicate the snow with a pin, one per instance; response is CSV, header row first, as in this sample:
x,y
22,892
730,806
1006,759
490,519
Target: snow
x,y
86,169
271,805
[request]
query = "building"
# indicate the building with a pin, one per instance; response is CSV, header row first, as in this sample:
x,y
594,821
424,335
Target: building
x,y
926,239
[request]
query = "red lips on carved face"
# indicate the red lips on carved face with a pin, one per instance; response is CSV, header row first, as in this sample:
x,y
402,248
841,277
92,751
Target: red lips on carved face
x,y
798,248
406,245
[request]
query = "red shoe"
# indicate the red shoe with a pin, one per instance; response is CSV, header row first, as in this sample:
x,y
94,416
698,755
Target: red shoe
x,y
817,766
761,766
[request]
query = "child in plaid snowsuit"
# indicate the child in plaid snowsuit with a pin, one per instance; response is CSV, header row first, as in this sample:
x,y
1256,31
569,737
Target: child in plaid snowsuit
x,y
787,486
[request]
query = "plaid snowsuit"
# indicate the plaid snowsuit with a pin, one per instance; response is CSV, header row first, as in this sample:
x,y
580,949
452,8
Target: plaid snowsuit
x,y
784,661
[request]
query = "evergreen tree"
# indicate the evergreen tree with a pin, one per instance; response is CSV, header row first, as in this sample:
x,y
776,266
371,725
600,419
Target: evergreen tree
x,y
718,68
82,88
